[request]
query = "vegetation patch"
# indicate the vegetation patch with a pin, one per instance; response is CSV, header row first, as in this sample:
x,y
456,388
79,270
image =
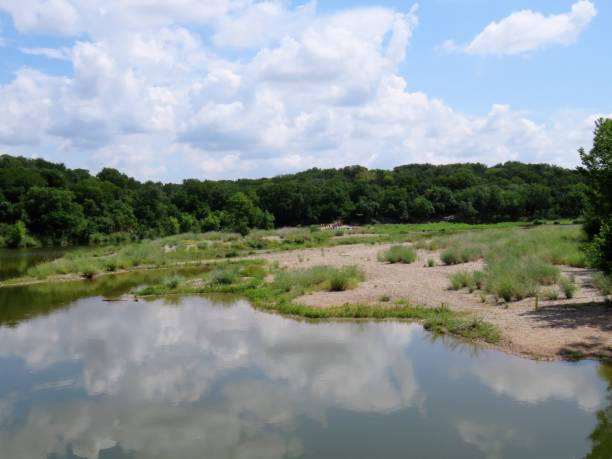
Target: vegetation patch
x,y
457,254
603,283
398,254
319,278
473,280
271,289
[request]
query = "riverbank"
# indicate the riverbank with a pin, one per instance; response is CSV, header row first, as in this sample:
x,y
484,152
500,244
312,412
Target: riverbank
x,y
572,325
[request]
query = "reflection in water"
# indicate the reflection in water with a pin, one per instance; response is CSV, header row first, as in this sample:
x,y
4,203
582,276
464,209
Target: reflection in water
x,y
15,262
601,437
137,379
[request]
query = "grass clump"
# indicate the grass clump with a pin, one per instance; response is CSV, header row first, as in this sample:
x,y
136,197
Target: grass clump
x,y
457,255
568,287
398,254
550,294
173,281
515,277
473,280
603,283
226,274
319,278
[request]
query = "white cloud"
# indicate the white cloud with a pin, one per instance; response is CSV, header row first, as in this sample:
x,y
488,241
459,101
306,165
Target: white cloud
x,y
526,30
299,89
50,53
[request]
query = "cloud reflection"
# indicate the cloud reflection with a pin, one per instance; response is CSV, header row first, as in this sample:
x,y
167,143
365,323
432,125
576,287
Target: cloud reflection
x,y
176,381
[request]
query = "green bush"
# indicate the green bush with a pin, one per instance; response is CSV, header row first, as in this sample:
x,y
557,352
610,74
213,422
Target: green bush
x,y
173,281
398,254
224,275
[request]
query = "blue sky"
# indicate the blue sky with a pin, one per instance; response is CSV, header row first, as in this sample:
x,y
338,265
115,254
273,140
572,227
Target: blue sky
x,y
247,88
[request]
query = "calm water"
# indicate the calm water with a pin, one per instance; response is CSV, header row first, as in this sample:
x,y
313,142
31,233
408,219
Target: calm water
x,y
15,262
193,378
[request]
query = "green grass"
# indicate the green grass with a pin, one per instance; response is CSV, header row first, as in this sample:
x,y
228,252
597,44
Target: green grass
x,y
603,283
319,278
279,295
473,280
226,274
398,254
519,261
456,255
437,320
568,287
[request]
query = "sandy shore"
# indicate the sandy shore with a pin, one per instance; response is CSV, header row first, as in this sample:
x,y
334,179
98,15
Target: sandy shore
x,y
580,327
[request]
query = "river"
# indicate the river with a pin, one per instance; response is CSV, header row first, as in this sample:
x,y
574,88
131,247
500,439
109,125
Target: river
x,y
197,377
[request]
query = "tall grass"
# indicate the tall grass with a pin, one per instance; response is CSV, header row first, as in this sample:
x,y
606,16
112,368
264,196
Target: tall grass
x,y
603,283
519,261
320,278
473,280
457,254
568,287
398,254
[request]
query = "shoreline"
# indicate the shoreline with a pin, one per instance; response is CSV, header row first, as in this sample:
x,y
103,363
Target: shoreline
x,y
575,329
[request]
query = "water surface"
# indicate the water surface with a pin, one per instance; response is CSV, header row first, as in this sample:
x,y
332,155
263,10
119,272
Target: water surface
x,y
15,262
192,377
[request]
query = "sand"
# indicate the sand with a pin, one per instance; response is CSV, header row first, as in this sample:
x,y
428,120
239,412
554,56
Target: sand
x,y
580,327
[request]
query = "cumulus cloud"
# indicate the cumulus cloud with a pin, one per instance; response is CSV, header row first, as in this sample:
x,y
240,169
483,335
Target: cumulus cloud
x,y
268,88
526,30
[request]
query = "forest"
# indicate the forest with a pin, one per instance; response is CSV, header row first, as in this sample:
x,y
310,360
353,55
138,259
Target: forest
x,y
47,203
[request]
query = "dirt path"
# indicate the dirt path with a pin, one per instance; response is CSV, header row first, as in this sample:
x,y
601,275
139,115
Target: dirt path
x,y
580,327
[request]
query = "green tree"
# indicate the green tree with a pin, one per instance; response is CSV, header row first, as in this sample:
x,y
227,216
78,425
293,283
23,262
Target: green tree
x,y
597,165
16,235
53,214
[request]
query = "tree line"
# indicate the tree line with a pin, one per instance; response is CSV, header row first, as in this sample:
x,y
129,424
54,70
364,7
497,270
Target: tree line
x,y
57,205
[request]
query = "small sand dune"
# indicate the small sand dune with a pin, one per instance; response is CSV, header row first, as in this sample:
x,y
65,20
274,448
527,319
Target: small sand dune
x,y
579,327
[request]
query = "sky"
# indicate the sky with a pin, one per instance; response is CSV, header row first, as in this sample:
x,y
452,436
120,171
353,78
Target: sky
x,y
215,89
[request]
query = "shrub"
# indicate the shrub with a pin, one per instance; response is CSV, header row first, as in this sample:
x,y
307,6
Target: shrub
x,y
431,262
172,282
224,275
398,254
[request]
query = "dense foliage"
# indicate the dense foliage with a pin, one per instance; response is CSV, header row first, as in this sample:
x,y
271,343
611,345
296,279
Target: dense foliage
x,y
61,205
598,170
